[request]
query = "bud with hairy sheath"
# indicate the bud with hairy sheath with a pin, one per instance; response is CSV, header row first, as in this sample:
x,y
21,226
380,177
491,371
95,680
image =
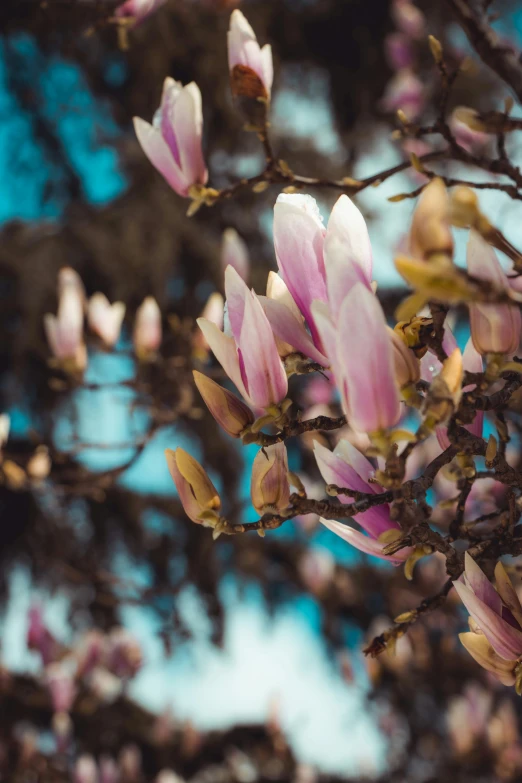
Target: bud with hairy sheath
x,y
196,492
270,488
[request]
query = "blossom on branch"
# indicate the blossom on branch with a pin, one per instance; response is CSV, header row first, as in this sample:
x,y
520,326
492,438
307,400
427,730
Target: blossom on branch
x,y
228,410
251,67
138,10
346,467
105,319
495,639
64,331
196,492
173,142
249,354
147,329
269,485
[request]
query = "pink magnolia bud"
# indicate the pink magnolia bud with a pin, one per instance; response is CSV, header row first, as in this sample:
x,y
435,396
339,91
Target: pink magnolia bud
x,y
497,644
138,9
270,488
105,319
235,252
173,142
404,91
251,67
59,678
64,331
124,655
495,328
399,52
147,329
408,18
228,410
85,770
196,492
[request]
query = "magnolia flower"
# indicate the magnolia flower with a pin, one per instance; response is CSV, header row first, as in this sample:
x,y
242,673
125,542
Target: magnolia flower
x,y
319,264
105,319
251,67
147,329
346,467
495,639
64,331
364,365
249,355
213,311
234,252
196,492
269,486
173,142
495,328
138,9
404,91
228,410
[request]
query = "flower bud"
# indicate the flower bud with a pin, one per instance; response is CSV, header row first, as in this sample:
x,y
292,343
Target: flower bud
x,y
495,328
229,411
430,231
85,770
105,319
407,366
197,494
59,679
270,488
445,390
251,67
147,329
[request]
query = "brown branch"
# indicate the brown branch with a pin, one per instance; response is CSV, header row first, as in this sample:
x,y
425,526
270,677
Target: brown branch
x,y
500,58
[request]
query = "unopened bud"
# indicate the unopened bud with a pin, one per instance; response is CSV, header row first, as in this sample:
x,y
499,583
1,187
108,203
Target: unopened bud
x,y
470,118
435,48
438,280
197,493
430,232
407,366
229,411
270,488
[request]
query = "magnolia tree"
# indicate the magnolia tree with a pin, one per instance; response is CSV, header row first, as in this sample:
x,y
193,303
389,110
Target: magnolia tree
x,y
411,402
408,427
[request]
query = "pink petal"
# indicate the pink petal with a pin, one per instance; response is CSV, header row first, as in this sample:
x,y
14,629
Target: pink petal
x,y
298,240
264,372
159,154
478,582
225,351
505,640
365,355
287,328
364,543
347,236
188,127
234,252
236,293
